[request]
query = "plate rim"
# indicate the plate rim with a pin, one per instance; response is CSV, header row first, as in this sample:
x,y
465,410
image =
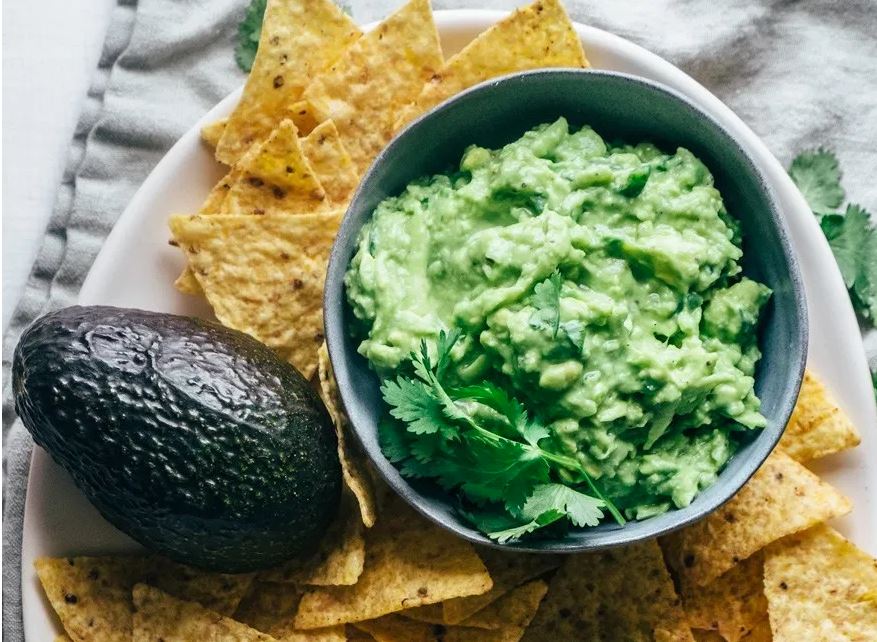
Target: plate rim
x,y
806,240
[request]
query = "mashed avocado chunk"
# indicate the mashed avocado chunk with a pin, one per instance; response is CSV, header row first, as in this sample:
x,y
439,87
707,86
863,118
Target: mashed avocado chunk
x,y
597,284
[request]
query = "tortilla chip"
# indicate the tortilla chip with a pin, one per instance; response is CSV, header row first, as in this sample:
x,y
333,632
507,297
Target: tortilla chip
x,y
92,595
300,38
409,562
392,628
618,594
782,498
706,636
331,162
819,586
468,634
355,635
62,638
536,36
158,617
277,179
366,89
817,427
507,570
339,560
212,132
515,609
270,607
305,116
761,632
509,610
353,466
733,604
264,275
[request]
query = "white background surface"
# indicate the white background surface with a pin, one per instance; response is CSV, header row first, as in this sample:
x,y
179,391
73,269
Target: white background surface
x,y
50,51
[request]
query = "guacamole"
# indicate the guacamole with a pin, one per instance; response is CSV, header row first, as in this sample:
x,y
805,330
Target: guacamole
x,y
599,284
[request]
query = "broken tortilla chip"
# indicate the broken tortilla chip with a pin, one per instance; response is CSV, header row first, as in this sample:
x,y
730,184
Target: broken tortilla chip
x,y
277,179
212,132
733,604
507,570
536,36
264,275
92,595
299,39
619,594
820,586
409,562
305,116
339,559
366,89
817,427
353,466
158,617
782,498
331,162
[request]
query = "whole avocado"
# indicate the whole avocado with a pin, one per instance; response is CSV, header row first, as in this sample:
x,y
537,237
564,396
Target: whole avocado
x,y
194,439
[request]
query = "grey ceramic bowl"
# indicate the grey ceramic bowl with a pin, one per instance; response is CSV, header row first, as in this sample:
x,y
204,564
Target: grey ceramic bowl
x,y
617,106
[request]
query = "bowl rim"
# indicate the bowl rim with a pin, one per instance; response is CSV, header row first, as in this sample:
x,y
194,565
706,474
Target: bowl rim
x,y
763,444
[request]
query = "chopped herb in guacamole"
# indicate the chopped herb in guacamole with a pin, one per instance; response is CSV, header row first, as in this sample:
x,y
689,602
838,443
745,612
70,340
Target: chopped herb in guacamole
x,y
562,330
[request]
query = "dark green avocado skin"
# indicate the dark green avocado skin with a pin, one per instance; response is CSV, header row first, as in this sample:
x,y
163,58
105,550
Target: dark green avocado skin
x,y
194,439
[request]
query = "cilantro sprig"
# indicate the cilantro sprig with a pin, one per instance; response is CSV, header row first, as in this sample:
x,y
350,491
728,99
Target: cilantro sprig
x,y
850,233
249,31
480,442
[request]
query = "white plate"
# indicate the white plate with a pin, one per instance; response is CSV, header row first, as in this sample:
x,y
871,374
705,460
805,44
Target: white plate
x,y
136,268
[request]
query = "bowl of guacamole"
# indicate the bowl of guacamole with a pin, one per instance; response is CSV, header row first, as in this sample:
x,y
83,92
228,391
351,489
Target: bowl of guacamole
x,y
563,313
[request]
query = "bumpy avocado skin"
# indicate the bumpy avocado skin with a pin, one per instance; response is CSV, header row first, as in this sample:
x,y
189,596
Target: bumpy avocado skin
x,y
194,439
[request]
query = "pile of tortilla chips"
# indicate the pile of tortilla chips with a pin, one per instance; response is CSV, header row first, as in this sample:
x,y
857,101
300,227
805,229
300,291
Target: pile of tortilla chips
x,y
321,101
763,567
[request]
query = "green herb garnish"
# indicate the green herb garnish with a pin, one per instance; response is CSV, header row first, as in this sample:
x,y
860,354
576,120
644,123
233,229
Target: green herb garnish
x,y
249,32
851,234
479,441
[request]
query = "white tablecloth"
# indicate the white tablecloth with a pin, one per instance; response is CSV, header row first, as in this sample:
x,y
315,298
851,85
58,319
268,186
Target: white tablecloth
x,y
50,51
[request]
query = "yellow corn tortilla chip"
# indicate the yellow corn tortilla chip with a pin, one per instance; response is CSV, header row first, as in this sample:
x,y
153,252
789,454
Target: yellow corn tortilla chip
x,y
782,498
212,132
300,38
620,594
356,635
158,617
733,604
706,636
761,632
62,638
817,427
409,562
510,610
392,628
353,466
92,595
305,116
339,559
507,570
277,179
366,89
264,275
535,36
270,608
331,162
468,634
820,586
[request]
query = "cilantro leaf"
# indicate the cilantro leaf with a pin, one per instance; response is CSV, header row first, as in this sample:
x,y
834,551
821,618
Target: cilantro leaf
x,y
582,510
249,31
505,528
817,175
411,401
391,437
853,240
546,300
